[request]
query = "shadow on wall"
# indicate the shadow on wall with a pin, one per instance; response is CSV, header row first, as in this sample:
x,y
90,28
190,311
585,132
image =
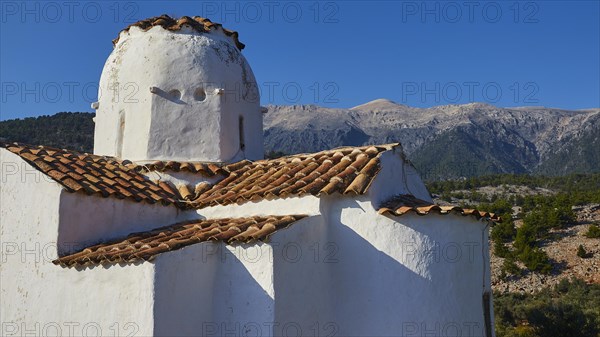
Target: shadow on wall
x,y
329,280
89,220
373,294
391,276
207,290
302,258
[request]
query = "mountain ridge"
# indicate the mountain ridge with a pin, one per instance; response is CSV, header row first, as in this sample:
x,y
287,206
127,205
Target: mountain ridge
x,y
447,141
496,140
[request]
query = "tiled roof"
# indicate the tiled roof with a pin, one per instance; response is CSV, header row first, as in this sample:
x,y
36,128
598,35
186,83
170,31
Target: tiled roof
x,y
92,174
402,204
348,170
146,246
199,24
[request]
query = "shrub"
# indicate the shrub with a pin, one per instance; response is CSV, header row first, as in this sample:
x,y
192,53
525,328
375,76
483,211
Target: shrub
x,y
510,267
504,231
572,308
500,249
582,253
536,260
593,232
524,331
526,237
547,214
559,319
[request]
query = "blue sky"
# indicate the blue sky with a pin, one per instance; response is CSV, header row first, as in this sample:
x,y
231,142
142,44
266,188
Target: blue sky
x,y
337,54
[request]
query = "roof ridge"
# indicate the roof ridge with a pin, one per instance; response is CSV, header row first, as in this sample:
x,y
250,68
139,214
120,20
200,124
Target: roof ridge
x,y
387,147
5,145
345,170
182,165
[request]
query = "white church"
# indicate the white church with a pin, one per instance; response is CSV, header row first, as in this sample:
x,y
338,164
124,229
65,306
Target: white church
x,y
177,226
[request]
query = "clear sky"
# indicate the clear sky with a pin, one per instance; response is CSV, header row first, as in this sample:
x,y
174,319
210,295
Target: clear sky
x,y
337,54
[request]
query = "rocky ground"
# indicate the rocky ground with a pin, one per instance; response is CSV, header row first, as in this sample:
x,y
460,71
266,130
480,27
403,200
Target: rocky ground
x,y
510,190
562,250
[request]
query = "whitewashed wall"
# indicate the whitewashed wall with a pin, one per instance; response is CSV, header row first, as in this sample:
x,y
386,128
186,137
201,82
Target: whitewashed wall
x,y
409,276
397,176
344,271
185,281
308,205
303,294
39,298
347,272
136,124
211,289
86,220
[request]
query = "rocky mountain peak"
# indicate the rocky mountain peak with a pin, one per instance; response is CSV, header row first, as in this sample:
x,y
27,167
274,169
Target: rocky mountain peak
x,y
380,104
458,140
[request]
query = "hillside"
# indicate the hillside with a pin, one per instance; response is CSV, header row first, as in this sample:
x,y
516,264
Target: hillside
x,y
444,142
71,130
544,285
485,139
545,254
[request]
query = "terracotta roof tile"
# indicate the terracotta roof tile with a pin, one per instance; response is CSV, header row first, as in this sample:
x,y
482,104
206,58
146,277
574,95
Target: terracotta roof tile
x,y
402,204
202,168
347,170
199,24
145,246
92,174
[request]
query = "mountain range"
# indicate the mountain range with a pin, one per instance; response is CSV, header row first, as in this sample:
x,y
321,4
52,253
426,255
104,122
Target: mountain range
x,y
449,141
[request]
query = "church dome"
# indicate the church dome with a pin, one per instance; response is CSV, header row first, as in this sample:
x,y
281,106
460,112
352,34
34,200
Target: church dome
x,y
178,89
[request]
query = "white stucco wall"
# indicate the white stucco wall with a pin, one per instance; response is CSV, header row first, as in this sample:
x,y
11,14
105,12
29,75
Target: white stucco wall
x,y
185,281
136,124
244,288
179,178
397,176
38,298
346,272
307,205
262,289
211,289
303,256
407,276
343,271
86,220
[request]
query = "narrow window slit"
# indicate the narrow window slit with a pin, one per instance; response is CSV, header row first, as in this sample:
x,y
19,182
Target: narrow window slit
x,y
241,133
